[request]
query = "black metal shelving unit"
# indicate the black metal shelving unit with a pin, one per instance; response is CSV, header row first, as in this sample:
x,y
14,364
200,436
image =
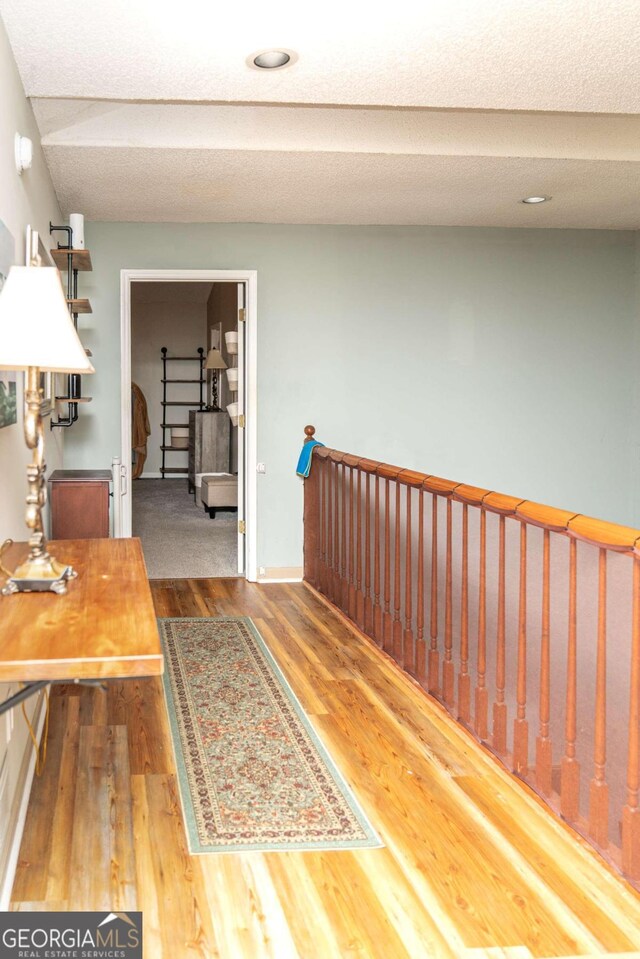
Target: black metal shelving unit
x,y
166,404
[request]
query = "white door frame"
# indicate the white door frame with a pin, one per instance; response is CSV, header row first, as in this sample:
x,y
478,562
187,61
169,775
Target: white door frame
x,y
250,277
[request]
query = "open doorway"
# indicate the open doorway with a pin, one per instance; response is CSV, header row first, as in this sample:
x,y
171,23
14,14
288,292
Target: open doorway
x,y
188,375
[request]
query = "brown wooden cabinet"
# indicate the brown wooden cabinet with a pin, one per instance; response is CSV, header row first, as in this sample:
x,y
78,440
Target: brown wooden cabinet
x,y
79,504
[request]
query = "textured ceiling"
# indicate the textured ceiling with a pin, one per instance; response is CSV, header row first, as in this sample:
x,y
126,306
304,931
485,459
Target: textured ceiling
x,y
435,112
580,55
257,186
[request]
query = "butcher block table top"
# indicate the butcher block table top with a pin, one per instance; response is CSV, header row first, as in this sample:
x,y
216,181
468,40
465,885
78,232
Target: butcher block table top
x,y
104,627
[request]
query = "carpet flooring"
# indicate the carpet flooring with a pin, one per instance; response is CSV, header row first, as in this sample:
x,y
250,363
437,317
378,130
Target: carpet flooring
x,y
253,774
179,541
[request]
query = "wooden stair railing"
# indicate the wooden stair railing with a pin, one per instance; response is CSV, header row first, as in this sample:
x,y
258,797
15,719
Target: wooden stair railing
x,y
522,619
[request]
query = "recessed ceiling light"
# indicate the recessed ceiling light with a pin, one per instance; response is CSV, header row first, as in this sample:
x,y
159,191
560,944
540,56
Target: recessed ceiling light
x,y
272,59
535,199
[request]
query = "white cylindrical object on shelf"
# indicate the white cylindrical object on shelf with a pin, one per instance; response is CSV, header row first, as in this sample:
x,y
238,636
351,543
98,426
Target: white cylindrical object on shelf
x,y
180,437
231,339
76,222
232,379
232,410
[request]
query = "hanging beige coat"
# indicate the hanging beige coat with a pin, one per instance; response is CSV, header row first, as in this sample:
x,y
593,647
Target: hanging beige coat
x,y
140,429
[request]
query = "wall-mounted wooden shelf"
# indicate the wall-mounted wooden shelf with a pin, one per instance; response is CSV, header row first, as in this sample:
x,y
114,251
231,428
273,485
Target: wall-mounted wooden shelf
x,y
182,403
79,306
81,259
183,381
182,358
70,262
174,469
177,449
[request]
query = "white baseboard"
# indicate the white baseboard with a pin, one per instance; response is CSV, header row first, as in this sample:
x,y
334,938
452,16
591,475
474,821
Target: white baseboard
x,y
263,580
19,809
280,574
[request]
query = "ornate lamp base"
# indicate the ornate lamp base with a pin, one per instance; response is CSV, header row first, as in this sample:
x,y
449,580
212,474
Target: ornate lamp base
x,y
39,575
40,572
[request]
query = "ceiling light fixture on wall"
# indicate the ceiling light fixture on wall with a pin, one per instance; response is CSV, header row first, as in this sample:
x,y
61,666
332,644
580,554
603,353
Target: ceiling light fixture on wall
x,y
272,59
23,149
535,199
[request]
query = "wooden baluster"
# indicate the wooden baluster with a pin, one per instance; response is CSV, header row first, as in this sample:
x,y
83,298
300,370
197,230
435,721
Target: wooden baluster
x,y
368,606
570,772
544,757
631,810
322,558
421,657
387,621
331,556
397,595
448,672
344,582
520,725
352,552
500,707
322,546
377,606
409,648
338,533
434,655
482,693
327,569
318,468
464,680
599,791
359,592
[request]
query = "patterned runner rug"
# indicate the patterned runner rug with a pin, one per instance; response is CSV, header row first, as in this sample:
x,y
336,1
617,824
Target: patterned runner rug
x,y
253,774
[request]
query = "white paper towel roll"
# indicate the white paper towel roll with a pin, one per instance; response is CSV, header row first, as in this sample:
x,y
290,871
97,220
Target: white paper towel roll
x,y
76,222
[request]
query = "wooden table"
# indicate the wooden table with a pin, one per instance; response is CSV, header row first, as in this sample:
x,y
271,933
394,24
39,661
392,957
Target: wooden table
x,y
104,627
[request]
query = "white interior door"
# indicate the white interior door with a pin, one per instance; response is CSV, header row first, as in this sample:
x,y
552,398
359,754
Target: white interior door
x,y
242,432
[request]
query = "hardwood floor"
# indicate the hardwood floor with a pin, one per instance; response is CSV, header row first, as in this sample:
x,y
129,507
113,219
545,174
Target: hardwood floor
x,y
473,865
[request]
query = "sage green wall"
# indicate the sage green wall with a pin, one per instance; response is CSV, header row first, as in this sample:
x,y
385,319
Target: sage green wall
x,y
501,358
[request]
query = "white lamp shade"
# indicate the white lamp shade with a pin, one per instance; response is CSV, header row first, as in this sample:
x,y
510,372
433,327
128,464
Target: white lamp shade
x,y
232,379
231,339
35,326
232,410
215,361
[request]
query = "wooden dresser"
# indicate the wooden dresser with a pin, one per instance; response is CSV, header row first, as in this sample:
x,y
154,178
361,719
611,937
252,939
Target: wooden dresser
x,y
79,504
209,443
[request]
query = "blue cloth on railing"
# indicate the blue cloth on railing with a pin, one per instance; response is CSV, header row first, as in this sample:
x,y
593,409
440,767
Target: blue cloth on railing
x,y
304,463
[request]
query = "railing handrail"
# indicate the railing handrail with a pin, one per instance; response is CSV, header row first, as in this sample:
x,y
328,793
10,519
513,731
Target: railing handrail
x,y
598,532
395,551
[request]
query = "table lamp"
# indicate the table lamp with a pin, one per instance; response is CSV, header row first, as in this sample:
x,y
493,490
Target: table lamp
x,y
215,363
37,335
